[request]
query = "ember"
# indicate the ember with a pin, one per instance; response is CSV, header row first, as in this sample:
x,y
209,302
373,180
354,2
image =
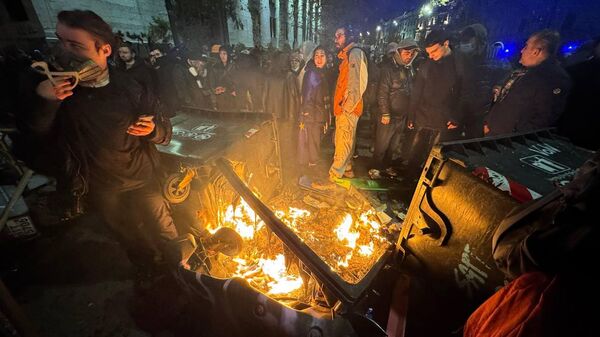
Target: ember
x,y
349,241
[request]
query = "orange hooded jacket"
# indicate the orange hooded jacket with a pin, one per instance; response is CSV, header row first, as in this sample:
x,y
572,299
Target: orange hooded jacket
x,y
349,95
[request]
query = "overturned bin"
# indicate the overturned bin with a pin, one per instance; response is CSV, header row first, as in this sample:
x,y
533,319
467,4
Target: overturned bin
x,y
440,262
465,190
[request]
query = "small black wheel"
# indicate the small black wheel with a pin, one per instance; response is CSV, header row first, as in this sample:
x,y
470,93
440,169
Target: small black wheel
x,y
172,192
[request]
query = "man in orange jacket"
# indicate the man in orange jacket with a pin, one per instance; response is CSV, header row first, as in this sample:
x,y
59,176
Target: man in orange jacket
x,y
348,103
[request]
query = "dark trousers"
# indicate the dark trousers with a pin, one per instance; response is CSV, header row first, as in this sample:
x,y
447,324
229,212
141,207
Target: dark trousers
x,y
140,219
421,143
388,139
309,142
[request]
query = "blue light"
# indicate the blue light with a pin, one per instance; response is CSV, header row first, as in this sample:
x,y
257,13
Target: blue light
x,y
507,51
570,47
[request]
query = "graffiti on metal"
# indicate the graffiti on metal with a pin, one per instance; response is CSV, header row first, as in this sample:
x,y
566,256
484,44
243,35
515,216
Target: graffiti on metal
x,y
545,165
469,274
199,133
544,149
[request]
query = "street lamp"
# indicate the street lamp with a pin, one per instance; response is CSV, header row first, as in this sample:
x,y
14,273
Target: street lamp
x,y
427,9
378,28
368,33
395,23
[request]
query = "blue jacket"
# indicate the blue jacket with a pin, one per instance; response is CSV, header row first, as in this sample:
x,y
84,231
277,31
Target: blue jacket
x,y
316,100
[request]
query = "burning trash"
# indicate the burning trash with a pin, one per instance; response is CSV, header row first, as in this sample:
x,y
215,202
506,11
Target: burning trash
x,y
349,241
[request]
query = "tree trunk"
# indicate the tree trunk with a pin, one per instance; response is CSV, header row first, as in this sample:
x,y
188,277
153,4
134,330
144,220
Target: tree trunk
x,y
254,9
295,15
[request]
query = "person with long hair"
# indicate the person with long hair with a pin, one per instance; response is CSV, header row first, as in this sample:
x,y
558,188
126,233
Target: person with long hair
x,y
314,115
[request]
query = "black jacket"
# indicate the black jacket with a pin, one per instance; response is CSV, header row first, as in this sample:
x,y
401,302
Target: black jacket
x,y
142,74
535,101
438,92
88,133
393,92
581,119
316,101
223,75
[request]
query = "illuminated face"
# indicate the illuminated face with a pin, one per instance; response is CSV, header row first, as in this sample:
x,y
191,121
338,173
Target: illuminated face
x,y
406,55
82,44
530,54
154,55
125,54
320,58
295,64
223,56
340,38
438,51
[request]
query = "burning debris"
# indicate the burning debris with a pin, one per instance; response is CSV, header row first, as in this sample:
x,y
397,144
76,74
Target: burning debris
x,y
350,241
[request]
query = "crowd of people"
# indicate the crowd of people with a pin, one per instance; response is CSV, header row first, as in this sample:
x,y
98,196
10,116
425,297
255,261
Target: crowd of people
x,y
96,132
444,88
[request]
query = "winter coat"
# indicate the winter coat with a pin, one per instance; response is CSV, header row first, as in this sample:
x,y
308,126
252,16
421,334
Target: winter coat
x,y
142,74
315,95
393,92
352,81
535,100
437,93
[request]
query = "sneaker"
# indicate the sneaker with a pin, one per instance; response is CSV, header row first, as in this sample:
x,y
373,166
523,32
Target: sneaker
x,y
374,174
391,172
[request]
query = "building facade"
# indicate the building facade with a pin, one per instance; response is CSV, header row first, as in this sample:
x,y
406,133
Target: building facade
x,y
279,22
30,22
508,22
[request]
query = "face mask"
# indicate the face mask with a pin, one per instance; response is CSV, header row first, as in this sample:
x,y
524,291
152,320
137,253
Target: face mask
x,y
467,48
86,73
66,64
193,71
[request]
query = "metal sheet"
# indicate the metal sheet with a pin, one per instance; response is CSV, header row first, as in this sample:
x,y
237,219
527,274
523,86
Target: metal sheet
x,y
201,137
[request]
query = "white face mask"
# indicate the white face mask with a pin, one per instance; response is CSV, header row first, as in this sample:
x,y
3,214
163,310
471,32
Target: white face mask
x,y
193,71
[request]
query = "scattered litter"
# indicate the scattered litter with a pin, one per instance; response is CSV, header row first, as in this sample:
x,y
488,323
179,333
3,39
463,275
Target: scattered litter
x,y
311,201
383,218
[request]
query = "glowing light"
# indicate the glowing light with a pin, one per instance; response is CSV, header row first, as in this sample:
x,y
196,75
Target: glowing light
x,y
366,250
282,283
242,218
345,262
378,28
395,23
344,232
368,33
427,9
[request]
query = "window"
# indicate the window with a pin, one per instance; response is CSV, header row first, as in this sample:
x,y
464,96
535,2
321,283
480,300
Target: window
x,y
273,28
272,20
